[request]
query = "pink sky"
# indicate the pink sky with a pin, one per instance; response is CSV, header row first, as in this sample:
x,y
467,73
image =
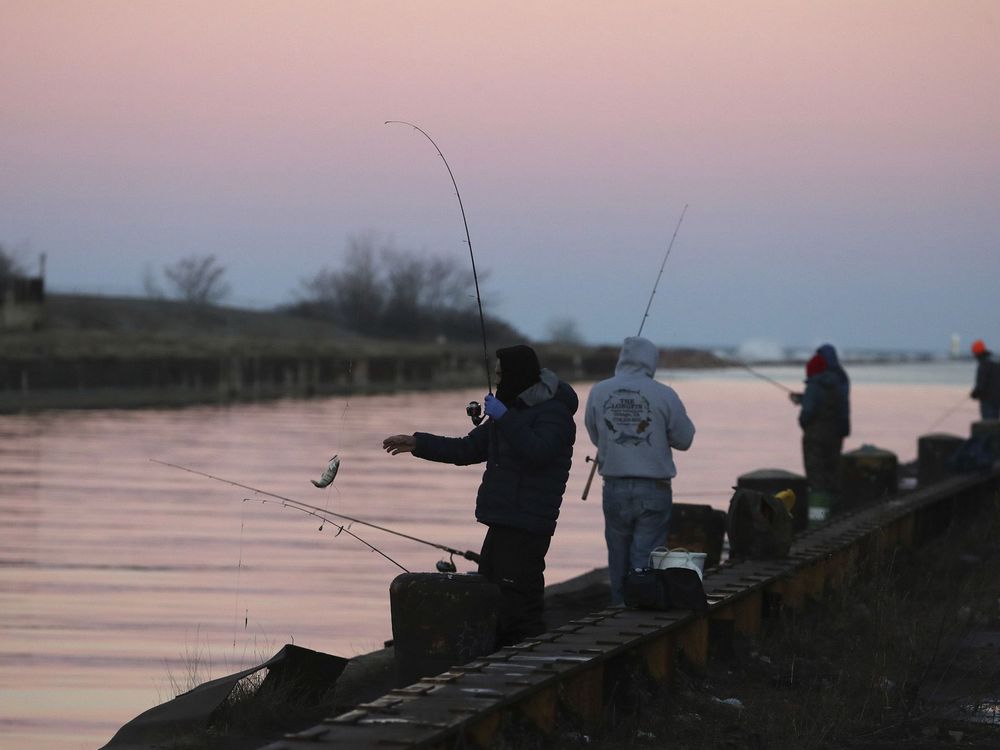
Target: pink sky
x,y
841,159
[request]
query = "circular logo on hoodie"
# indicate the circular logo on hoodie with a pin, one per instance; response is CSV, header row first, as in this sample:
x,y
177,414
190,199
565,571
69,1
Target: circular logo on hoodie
x,y
627,416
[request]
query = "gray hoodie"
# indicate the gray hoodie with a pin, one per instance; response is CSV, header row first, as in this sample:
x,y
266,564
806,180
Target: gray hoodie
x,y
634,420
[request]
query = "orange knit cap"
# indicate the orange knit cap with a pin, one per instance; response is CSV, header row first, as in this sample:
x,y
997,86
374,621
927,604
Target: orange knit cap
x,y
978,347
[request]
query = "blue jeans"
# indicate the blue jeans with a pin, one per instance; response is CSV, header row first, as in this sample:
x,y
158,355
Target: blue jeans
x,y
636,521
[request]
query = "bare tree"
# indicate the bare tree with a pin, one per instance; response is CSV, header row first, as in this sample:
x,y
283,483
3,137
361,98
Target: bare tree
x,y
10,265
382,291
197,279
354,295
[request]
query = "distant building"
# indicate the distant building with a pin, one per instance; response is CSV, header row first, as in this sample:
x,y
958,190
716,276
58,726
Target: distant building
x,y
22,303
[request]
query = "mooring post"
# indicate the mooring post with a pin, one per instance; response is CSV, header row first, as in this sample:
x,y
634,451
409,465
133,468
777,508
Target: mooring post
x,y
933,454
991,429
867,475
772,481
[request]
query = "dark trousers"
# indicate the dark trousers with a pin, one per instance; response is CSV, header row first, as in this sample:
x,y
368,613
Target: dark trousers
x,y
515,560
988,410
821,456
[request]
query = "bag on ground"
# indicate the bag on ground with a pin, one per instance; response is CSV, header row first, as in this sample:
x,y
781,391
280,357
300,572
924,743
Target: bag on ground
x,y
664,589
759,525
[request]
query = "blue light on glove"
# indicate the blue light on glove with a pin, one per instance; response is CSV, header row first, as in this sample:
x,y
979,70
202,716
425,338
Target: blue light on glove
x,y
494,407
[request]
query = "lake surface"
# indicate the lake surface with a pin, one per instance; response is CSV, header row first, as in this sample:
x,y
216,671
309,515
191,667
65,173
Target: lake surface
x,y
123,582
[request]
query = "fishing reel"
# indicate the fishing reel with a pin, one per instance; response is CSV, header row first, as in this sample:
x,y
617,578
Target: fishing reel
x,y
475,412
447,566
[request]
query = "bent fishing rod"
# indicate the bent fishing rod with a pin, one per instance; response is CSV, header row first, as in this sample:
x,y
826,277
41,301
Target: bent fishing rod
x,y
467,554
670,246
474,410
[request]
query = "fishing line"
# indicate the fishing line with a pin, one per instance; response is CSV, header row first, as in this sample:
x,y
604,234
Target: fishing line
x,y
951,410
340,429
664,263
239,567
468,239
467,554
341,529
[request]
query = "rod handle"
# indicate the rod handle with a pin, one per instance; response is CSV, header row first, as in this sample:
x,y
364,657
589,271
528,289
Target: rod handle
x,y
590,479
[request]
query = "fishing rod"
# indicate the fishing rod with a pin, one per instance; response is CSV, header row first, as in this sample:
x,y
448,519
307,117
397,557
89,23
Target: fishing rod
x,y
593,469
664,263
760,375
474,409
340,527
467,554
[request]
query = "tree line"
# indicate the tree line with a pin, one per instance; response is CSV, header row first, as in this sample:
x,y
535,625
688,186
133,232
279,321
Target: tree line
x,y
388,293
376,290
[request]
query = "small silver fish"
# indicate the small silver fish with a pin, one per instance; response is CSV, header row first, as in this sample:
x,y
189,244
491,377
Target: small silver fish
x,y
329,474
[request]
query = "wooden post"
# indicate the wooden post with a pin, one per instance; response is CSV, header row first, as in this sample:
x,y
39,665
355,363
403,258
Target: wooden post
x,y
540,708
693,642
584,697
485,730
659,656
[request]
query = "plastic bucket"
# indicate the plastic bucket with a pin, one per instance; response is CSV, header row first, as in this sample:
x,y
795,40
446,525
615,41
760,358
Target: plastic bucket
x,y
661,558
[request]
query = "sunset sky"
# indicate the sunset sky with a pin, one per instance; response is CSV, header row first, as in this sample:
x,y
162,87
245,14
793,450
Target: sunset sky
x,y
841,158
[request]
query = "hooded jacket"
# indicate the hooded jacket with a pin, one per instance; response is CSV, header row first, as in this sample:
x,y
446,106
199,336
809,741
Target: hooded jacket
x,y
819,416
987,386
842,398
634,420
527,451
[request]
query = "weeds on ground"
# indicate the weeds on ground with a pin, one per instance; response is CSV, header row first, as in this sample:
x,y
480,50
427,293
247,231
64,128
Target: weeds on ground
x,y
255,710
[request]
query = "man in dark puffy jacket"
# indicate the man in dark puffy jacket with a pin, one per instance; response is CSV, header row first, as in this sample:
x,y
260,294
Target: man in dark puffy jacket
x,y
527,445
987,388
825,418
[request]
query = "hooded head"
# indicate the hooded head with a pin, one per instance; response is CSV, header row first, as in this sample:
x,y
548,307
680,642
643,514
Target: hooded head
x,y
978,347
519,370
815,366
639,356
828,353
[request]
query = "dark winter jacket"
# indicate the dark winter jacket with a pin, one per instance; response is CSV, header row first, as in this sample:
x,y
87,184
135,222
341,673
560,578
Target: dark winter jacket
x,y
820,415
843,389
987,379
527,453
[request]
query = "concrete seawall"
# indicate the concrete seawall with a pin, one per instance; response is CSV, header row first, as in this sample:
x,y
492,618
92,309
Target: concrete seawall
x,y
573,671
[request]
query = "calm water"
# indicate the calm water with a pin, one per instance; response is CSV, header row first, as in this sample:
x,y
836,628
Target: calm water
x,y
120,577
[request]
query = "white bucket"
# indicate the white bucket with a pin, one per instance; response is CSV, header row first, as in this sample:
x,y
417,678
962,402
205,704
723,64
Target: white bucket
x,y
661,558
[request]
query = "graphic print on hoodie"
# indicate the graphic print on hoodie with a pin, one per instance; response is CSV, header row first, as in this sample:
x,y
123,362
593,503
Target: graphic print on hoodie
x,y
627,414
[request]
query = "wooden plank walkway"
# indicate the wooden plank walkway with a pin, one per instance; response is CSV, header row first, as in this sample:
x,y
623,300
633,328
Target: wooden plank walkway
x,y
564,670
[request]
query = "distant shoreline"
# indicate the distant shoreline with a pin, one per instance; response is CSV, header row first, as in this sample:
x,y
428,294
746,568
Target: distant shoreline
x,y
105,352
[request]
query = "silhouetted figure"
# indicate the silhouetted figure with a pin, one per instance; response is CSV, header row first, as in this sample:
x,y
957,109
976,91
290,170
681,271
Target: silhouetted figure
x,y
825,418
635,421
987,388
527,445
